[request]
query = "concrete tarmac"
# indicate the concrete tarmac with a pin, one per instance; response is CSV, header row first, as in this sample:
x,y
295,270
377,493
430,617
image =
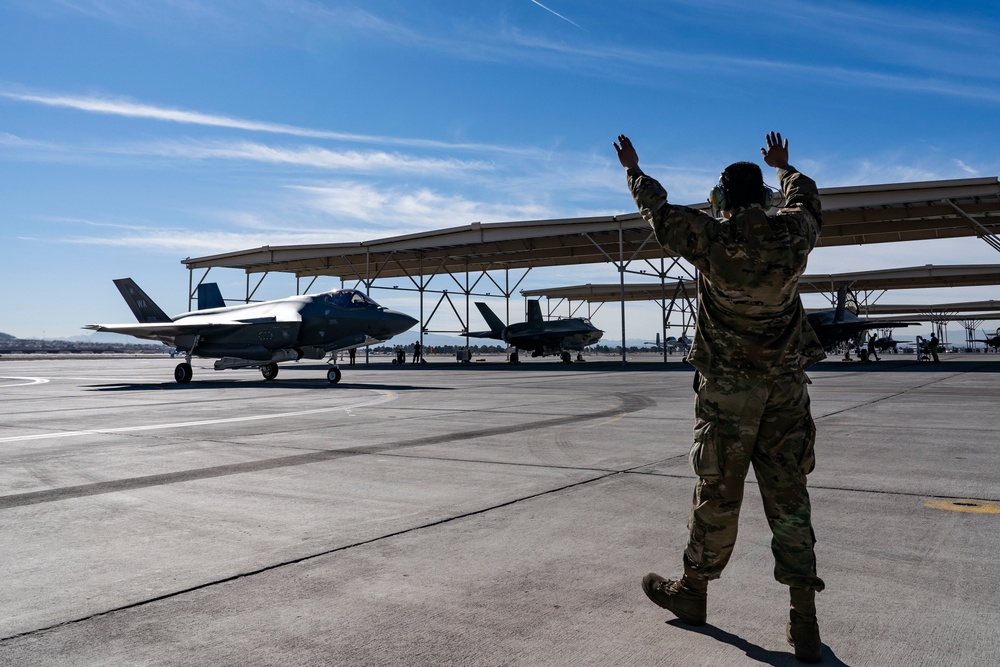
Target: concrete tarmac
x,y
477,514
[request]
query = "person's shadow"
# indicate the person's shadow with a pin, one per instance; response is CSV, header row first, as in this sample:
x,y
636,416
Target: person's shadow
x,y
758,653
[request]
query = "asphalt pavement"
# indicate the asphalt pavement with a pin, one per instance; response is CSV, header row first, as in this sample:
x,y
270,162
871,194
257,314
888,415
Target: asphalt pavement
x,y
473,514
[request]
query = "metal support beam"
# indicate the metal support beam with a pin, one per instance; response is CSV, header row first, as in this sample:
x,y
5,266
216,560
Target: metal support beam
x,y
983,233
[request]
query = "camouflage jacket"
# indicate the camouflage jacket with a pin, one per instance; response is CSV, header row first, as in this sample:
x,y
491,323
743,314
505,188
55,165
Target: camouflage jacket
x,y
750,317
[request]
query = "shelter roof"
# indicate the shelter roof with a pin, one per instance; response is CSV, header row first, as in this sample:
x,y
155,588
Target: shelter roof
x,y
989,310
852,215
917,277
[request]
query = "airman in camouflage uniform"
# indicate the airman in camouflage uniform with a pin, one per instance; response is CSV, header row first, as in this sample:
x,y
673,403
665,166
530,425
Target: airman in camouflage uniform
x,y
751,348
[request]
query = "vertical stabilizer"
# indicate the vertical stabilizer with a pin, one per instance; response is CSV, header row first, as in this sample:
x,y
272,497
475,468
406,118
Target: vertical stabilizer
x,y
210,296
142,306
841,304
534,312
496,324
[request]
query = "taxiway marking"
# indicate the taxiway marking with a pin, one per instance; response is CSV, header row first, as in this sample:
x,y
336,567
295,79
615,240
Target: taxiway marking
x,y
27,381
385,397
963,505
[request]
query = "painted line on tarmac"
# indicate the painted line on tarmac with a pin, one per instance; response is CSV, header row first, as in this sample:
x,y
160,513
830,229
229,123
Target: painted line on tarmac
x,y
27,381
385,397
317,555
630,403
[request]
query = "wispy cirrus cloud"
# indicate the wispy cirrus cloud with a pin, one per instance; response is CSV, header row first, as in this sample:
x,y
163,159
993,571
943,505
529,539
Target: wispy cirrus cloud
x,y
347,211
311,156
132,109
421,208
174,241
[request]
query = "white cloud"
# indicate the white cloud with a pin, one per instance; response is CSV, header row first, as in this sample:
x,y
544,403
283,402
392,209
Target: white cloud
x,y
967,169
410,210
196,242
132,109
311,156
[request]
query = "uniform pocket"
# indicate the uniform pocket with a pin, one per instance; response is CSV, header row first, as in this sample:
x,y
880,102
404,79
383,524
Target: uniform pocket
x,y
807,461
704,454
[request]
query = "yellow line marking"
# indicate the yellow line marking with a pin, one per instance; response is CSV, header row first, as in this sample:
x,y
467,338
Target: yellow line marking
x,y
608,421
963,505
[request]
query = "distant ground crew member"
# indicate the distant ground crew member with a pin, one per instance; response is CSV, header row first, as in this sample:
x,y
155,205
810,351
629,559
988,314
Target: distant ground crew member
x,y
873,348
417,356
933,345
352,353
751,348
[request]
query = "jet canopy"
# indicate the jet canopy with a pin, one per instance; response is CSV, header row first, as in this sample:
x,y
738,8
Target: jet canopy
x,y
349,298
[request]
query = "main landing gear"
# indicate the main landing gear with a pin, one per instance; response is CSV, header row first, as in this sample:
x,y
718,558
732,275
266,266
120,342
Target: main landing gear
x,y
182,374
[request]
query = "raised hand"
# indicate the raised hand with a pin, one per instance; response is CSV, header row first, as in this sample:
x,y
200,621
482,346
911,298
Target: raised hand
x,y
776,154
626,153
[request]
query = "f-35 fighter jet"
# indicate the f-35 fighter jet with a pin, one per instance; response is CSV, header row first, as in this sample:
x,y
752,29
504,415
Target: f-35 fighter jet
x,y
260,335
541,337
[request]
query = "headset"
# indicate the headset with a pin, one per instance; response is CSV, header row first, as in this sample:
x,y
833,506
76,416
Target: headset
x,y
719,197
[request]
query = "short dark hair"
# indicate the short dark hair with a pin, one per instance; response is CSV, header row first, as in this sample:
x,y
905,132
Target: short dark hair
x,y
743,183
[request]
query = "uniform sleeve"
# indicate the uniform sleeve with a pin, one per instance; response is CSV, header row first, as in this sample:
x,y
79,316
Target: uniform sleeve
x,y
801,192
681,230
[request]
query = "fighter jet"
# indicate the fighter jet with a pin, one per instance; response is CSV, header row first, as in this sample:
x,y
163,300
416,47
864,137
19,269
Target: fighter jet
x,y
886,343
260,335
836,325
671,343
541,338
991,341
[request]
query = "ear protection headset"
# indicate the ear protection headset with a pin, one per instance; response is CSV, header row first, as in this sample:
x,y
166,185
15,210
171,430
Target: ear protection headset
x,y
719,197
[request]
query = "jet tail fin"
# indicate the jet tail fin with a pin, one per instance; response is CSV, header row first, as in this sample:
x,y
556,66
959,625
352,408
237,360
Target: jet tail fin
x,y
144,309
841,304
210,296
496,324
534,312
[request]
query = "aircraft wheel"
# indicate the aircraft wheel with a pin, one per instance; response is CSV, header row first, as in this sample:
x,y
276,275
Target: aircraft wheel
x,y
182,374
513,357
270,371
333,375
566,357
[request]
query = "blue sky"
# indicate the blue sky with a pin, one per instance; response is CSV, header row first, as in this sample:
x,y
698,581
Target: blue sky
x,y
135,133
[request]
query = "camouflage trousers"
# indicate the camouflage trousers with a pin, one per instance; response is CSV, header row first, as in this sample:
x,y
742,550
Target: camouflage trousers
x,y
766,423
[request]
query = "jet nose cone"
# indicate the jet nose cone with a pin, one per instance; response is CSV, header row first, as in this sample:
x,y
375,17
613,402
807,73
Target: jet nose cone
x,y
398,322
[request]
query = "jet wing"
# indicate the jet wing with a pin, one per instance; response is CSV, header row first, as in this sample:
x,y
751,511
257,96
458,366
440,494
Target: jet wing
x,y
858,327
485,334
349,342
832,333
165,331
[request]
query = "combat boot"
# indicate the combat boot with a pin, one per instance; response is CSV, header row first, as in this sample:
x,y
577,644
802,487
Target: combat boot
x,y
802,630
686,599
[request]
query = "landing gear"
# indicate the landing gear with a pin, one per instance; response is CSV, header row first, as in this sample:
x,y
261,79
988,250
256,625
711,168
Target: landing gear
x,y
333,375
269,371
566,358
513,357
182,374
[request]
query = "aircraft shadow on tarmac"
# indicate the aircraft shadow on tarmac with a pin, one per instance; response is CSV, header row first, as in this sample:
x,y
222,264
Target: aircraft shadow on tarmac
x,y
907,366
754,652
254,384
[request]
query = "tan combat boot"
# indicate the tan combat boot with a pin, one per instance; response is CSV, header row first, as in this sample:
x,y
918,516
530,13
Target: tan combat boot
x,y
802,631
686,599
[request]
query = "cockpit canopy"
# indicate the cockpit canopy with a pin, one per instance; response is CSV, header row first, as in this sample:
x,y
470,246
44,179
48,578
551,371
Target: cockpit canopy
x,y
349,298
